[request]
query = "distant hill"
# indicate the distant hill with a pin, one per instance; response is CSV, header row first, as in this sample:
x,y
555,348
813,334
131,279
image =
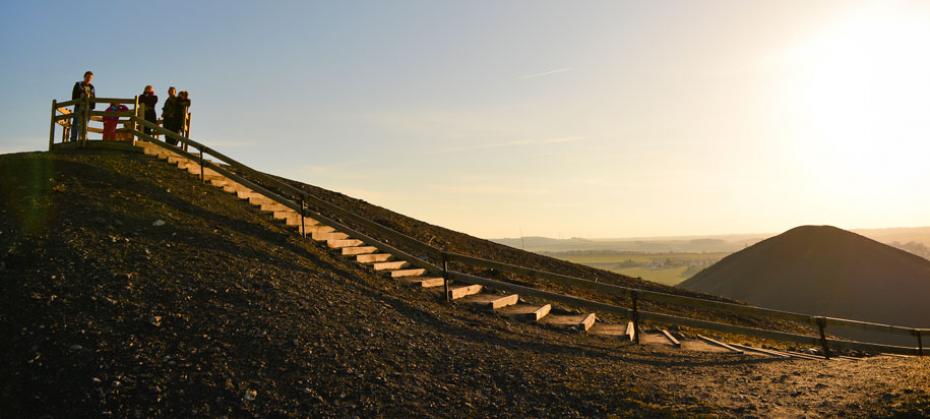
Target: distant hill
x,y
696,244
915,240
827,271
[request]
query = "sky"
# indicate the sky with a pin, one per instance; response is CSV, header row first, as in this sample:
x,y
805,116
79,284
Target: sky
x,y
520,118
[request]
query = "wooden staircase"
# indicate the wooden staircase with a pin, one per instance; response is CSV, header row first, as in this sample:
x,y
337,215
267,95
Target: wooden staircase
x,y
404,272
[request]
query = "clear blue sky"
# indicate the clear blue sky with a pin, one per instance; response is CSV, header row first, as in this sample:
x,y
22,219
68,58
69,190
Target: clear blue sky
x,y
500,118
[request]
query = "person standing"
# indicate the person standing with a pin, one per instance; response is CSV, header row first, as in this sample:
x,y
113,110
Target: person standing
x,y
149,99
170,115
82,89
184,105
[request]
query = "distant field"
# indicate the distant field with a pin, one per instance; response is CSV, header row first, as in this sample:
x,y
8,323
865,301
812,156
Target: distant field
x,y
664,268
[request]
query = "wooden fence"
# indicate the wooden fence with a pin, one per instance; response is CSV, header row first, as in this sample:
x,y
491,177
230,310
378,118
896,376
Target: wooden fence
x,y
63,115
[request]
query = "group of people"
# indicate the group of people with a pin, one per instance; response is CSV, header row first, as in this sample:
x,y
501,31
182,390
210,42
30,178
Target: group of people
x,y
173,112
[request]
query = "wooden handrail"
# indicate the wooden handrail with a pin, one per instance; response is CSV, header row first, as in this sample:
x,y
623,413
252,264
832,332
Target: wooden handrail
x,y
121,114
68,103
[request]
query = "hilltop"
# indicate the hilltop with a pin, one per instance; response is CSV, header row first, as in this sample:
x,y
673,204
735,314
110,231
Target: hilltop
x,y
127,290
827,271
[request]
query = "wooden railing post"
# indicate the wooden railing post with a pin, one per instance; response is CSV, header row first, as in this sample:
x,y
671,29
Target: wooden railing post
x,y
445,276
821,326
139,113
303,230
920,342
201,164
51,128
635,296
85,121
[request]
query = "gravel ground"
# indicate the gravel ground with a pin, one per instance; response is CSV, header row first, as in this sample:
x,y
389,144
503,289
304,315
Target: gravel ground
x,y
105,312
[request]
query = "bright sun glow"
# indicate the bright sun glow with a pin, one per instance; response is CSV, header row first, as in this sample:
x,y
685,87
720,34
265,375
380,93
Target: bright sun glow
x,y
862,90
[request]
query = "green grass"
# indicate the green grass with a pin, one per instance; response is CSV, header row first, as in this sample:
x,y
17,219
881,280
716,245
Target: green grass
x,y
664,268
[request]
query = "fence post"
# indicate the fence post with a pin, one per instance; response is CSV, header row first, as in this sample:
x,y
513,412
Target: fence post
x,y
821,325
303,230
201,164
635,296
139,112
85,121
51,128
920,343
445,276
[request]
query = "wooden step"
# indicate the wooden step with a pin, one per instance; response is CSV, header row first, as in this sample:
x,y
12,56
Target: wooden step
x,y
612,330
401,273
259,199
294,221
390,266
273,207
220,182
233,187
177,159
358,250
194,169
374,258
330,235
317,229
492,301
525,311
339,244
245,194
285,214
422,281
462,291
581,322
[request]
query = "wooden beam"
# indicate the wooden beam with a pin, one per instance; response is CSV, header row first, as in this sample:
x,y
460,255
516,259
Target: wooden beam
x,y
719,343
670,338
760,350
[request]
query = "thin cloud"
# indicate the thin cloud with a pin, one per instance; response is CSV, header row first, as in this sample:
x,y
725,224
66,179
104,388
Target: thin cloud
x,y
518,143
545,73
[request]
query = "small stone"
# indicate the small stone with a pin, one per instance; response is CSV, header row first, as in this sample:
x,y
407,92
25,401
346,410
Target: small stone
x,y
158,223
250,394
76,347
155,321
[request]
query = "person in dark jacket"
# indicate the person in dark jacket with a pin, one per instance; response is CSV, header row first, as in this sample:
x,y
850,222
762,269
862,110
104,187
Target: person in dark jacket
x,y
149,99
82,89
170,115
184,104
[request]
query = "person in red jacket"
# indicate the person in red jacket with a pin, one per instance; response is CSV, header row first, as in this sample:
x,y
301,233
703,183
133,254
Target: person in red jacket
x,y
110,121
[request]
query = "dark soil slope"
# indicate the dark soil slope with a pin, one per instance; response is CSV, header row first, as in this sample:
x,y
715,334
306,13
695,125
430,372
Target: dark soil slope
x,y
827,271
127,290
